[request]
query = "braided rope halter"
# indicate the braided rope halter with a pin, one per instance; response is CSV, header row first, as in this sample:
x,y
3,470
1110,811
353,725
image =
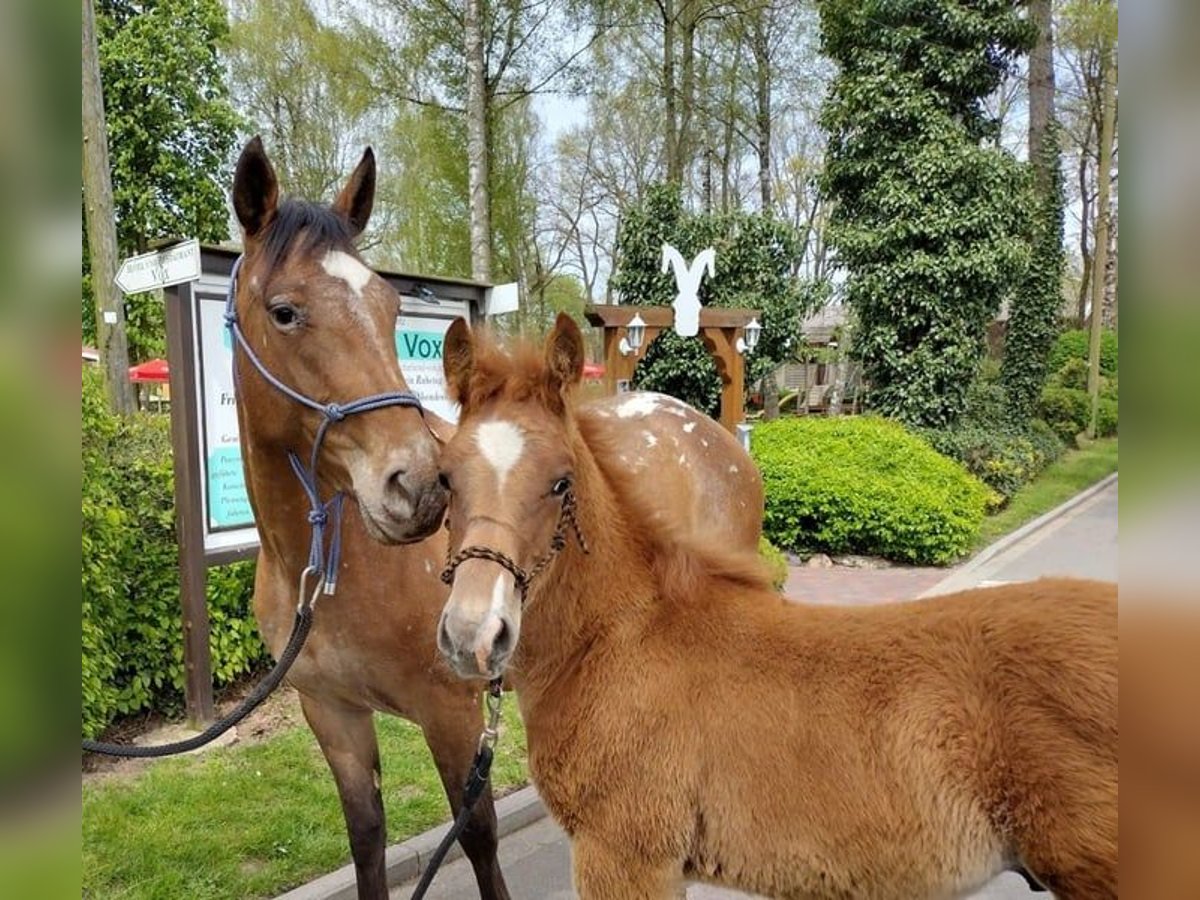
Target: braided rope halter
x,y
521,577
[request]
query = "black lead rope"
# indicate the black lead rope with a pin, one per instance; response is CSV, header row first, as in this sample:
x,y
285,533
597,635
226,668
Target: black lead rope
x,y
481,768
260,693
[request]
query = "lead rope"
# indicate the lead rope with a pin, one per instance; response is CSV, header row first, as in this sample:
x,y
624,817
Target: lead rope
x,y
320,577
481,768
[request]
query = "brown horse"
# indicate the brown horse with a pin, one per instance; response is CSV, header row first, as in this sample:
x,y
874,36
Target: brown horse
x,y
323,324
684,721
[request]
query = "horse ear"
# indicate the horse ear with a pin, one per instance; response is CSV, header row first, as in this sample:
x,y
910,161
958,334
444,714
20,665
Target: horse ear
x,y
458,360
357,198
255,189
564,354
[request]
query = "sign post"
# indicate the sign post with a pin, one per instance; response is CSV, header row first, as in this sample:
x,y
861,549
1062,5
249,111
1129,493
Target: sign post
x,y
160,268
214,521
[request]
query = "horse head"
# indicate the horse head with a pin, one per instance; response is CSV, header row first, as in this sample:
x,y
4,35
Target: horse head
x,y
323,324
511,467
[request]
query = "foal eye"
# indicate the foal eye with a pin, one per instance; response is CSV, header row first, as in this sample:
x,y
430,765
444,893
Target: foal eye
x,y
284,315
561,487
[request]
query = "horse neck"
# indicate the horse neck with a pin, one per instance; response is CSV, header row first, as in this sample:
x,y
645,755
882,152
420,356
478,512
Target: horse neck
x,y
585,597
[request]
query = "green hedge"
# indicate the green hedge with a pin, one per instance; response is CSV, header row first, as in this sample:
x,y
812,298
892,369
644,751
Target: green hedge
x,y
1004,459
865,485
987,440
775,560
1074,345
132,643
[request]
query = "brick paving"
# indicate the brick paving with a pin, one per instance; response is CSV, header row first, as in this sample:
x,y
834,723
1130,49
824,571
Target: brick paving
x,y
853,586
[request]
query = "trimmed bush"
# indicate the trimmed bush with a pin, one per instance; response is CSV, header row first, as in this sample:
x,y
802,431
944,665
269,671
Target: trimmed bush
x,y
865,485
991,440
132,640
1074,345
1066,410
776,561
1003,459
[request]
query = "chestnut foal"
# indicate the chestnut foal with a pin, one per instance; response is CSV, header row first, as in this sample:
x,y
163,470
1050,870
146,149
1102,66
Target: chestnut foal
x,y
684,721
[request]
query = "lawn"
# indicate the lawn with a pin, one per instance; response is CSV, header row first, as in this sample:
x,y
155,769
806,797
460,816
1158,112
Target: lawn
x,y
1063,479
255,820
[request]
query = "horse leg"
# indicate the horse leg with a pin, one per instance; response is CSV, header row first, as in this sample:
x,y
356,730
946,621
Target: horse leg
x,y
603,874
452,733
346,736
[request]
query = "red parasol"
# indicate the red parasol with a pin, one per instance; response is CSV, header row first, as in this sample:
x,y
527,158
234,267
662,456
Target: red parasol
x,y
153,371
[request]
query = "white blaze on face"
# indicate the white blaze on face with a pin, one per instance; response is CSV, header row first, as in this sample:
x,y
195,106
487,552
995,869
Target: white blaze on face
x,y
339,264
501,444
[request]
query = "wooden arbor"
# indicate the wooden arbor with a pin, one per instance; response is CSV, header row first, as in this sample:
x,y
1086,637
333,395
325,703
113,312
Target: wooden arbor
x,y
720,330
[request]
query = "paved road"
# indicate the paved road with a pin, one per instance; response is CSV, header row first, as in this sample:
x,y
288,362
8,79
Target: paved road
x,y
1082,543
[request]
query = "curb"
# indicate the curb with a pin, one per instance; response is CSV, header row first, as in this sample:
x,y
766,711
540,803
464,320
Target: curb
x,y
406,861
957,579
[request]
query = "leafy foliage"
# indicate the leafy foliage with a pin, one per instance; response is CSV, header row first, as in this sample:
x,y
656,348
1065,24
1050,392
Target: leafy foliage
x,y
1002,451
754,259
1034,313
132,643
929,224
865,485
170,132
776,562
1073,344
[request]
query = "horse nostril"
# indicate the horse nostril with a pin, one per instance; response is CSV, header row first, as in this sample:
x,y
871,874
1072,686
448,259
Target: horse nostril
x,y
443,637
397,477
502,642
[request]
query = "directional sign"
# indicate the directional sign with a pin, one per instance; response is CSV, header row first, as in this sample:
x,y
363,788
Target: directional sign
x,y
160,268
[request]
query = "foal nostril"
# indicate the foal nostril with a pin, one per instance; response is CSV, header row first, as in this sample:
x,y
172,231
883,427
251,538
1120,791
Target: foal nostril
x,y
502,642
396,479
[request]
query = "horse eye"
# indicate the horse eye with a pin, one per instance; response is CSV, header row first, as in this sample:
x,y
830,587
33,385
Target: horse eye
x,y
561,487
284,315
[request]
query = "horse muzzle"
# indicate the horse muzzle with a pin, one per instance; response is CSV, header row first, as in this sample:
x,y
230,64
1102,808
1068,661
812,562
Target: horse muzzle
x,y
480,625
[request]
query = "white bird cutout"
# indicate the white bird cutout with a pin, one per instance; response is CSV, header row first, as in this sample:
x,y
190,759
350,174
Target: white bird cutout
x,y
687,286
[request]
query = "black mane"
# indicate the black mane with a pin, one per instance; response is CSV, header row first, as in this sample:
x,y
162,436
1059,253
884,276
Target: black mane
x,y
321,228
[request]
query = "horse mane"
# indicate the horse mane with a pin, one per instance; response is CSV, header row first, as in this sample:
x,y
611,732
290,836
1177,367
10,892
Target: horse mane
x,y
309,227
682,563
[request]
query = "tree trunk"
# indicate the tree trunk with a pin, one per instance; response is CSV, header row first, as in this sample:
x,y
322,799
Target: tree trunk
x,y
1085,253
687,89
770,392
671,138
1110,273
762,107
1041,90
1104,174
477,145
101,227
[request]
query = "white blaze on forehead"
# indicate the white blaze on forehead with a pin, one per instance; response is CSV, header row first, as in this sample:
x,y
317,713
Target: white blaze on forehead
x,y
339,264
501,444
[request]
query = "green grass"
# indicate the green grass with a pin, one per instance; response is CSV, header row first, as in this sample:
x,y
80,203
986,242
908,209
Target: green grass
x,y
254,821
1067,476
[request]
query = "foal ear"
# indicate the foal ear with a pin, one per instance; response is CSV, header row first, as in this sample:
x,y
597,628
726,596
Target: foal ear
x,y
564,354
458,360
255,189
358,196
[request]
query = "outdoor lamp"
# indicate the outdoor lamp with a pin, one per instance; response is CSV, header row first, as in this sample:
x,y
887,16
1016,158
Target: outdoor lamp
x,y
634,332
752,333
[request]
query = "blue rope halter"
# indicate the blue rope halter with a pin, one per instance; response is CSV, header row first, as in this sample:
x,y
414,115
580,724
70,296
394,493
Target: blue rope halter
x,y
322,561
